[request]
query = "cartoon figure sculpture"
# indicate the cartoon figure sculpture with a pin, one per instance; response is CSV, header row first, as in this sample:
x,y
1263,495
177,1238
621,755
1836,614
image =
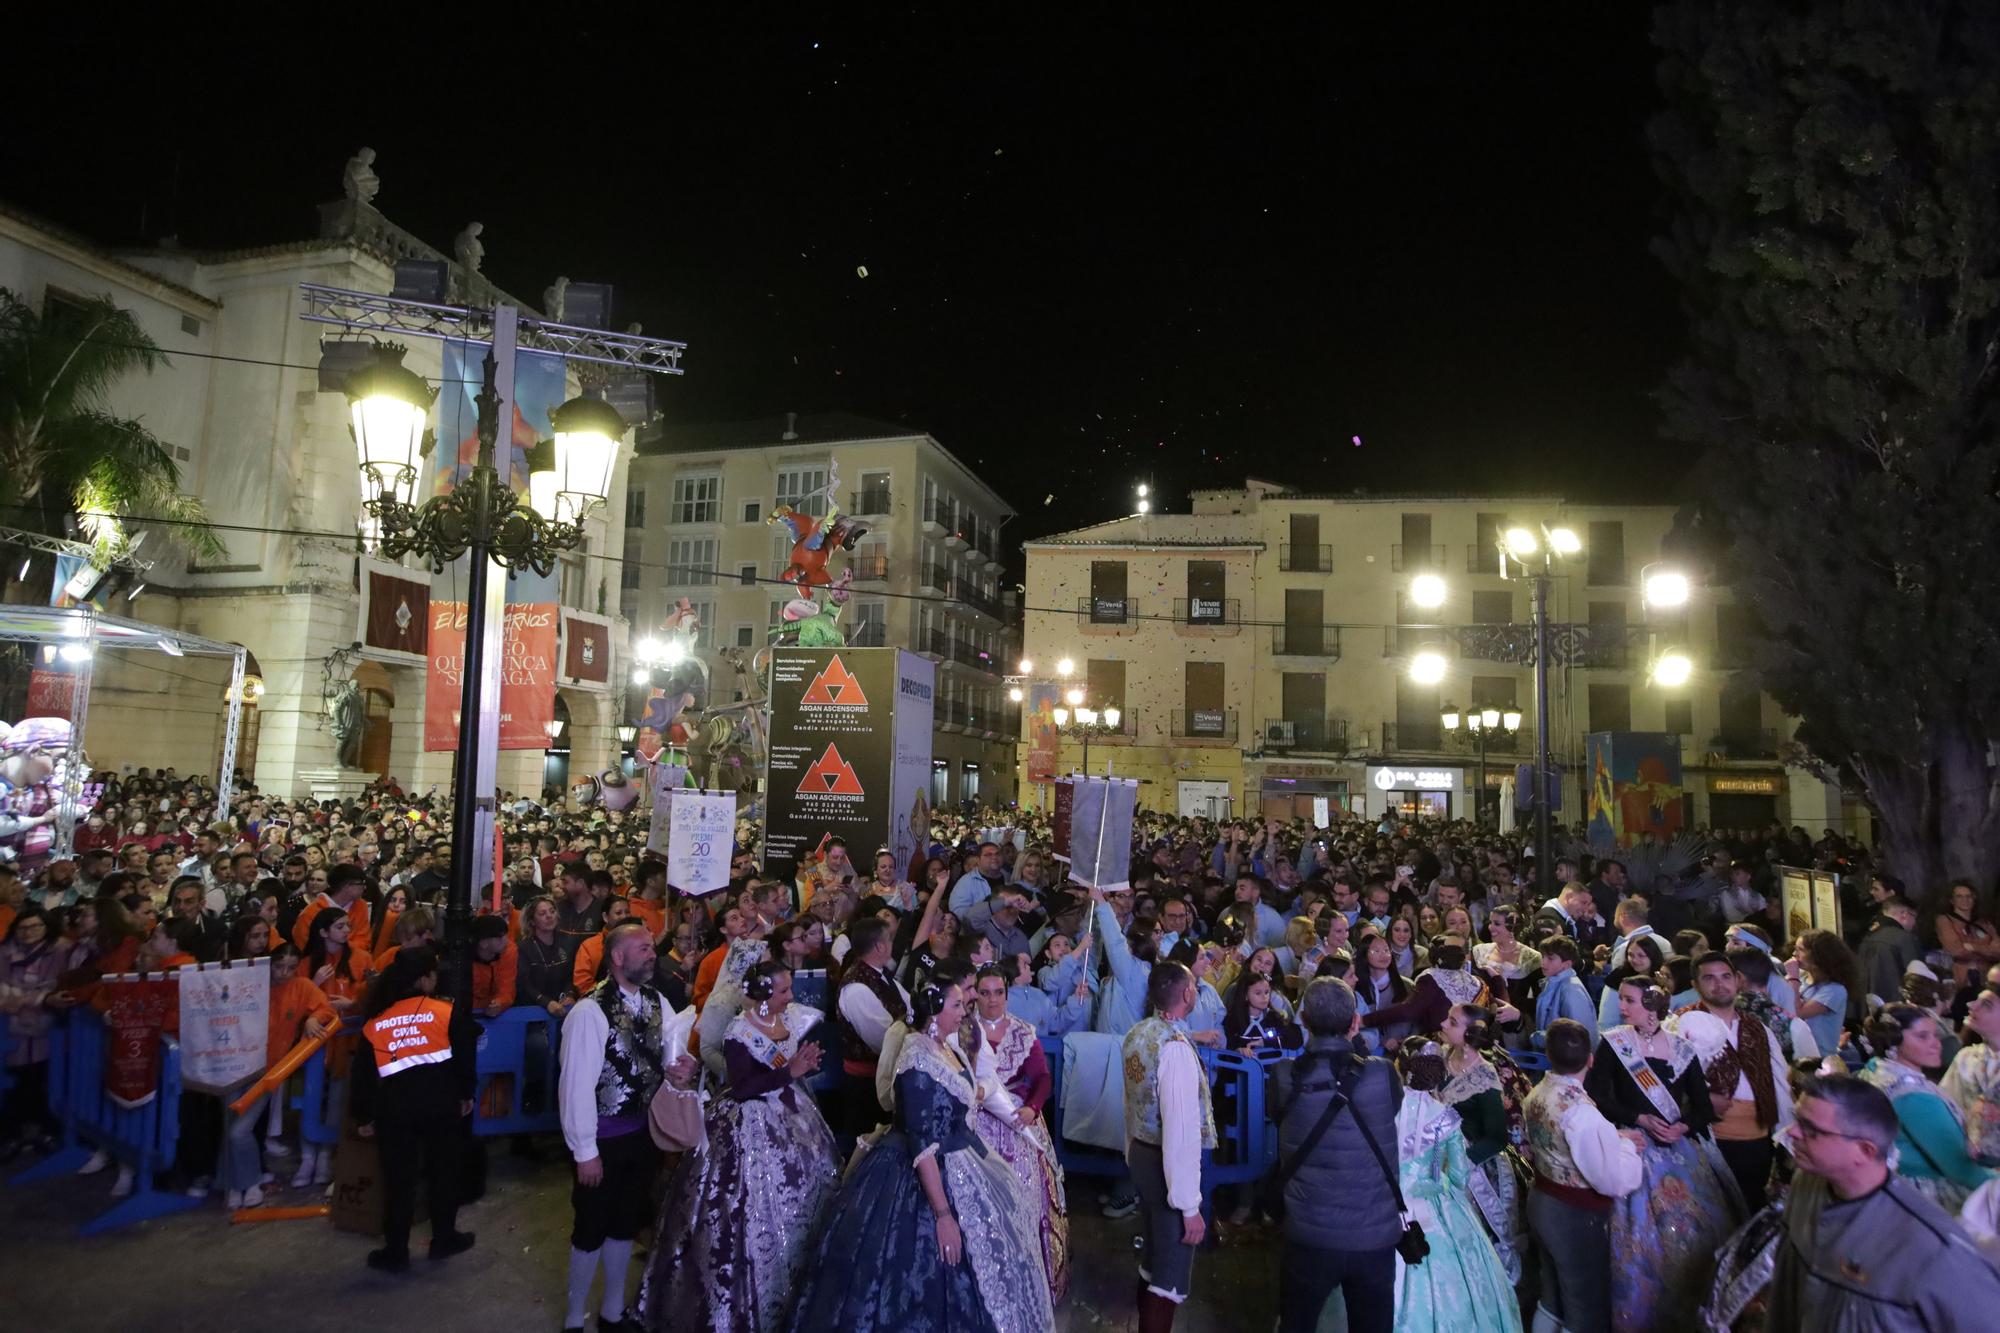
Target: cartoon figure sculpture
x,y
33,760
814,539
808,624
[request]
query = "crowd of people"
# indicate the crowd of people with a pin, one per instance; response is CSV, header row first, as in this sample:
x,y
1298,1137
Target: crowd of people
x,y
1630,1100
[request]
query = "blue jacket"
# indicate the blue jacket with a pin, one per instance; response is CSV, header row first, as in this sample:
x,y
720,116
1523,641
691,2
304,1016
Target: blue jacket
x,y
1122,1002
1051,1019
1565,997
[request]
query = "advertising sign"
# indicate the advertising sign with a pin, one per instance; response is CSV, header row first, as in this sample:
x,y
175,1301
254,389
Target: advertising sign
x,y
909,790
1044,741
832,750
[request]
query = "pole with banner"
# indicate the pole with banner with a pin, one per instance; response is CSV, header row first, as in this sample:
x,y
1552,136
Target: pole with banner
x,y
701,835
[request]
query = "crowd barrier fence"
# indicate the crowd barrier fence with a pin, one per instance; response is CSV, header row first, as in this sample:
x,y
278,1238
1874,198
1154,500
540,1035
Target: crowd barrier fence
x,y
143,1138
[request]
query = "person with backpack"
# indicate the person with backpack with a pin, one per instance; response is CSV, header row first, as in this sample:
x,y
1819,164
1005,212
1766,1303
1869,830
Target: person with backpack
x,y
1336,1166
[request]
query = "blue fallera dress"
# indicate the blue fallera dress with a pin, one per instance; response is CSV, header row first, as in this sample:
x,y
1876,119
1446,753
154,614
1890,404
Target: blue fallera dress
x,y
878,1269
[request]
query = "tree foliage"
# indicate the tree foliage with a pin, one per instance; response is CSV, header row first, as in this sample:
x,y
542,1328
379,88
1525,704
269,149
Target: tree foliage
x,y
1835,229
63,453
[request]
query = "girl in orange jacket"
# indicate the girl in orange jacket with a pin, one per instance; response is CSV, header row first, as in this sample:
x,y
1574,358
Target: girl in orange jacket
x,y
299,1011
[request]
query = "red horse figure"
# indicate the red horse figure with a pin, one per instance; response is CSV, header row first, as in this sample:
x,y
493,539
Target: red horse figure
x,y
813,541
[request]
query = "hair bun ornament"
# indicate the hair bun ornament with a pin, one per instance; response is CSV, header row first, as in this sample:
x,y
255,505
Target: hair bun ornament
x,y
759,986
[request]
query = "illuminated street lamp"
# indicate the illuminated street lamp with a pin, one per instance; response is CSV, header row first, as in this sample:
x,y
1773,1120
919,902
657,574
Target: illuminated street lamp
x,y
1665,586
1672,669
1427,590
1486,724
1427,668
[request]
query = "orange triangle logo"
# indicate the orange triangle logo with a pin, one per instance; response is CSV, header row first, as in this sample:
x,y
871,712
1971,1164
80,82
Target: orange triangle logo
x,y
830,775
835,685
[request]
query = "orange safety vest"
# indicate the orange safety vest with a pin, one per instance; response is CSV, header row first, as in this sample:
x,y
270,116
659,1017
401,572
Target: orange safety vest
x,y
414,1032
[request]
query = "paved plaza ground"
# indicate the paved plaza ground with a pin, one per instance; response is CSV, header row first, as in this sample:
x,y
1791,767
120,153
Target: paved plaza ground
x,y
196,1271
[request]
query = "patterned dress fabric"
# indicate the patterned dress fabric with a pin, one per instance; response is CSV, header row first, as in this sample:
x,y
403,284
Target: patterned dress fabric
x,y
1666,1234
1460,1286
878,1268
1029,1153
743,1212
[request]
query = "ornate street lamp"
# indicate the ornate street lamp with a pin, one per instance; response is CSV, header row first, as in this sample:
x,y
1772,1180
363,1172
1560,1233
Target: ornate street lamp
x,y
481,518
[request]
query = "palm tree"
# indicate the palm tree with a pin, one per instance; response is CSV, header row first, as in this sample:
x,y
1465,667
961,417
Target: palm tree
x,y
64,459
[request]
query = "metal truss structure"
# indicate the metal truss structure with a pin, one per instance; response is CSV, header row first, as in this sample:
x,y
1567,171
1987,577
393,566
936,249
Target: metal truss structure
x,y
368,312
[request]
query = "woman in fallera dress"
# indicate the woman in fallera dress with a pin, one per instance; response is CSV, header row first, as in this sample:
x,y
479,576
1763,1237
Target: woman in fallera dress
x,y
743,1210
1665,1234
1023,1142
930,1232
1460,1286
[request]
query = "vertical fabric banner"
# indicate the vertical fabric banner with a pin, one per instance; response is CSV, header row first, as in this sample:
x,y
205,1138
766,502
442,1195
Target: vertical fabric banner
x,y
910,788
1059,818
701,835
528,641
1044,742
444,676
1101,812
667,779
135,1013
224,1012
1086,812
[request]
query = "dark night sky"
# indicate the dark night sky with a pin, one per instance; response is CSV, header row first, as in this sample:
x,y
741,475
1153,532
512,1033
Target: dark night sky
x,y
1098,250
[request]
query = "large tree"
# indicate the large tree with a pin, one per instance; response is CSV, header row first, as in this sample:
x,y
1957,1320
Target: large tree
x,y
1835,229
66,460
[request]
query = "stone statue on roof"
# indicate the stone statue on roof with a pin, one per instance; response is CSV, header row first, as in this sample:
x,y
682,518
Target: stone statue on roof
x,y
360,181
467,248
552,298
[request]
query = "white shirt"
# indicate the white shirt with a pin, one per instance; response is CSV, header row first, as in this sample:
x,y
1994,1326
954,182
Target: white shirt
x,y
1781,1078
1608,1162
865,1014
1180,1125
584,1033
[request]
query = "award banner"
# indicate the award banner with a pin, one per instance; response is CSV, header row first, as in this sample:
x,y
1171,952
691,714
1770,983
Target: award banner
x,y
224,1012
701,834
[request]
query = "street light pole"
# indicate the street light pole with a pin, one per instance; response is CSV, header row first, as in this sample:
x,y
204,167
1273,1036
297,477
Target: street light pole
x,y
1544,867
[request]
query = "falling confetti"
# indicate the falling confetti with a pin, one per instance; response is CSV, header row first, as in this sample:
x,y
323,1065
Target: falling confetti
x,y
1357,442
861,270
1048,500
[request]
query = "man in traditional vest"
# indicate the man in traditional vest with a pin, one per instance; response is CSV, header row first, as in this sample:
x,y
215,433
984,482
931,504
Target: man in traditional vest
x,y
1581,1164
1167,1125
613,1061
1755,1099
871,1002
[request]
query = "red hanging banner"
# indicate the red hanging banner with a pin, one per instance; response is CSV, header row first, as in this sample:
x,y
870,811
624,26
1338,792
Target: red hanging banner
x,y
136,1012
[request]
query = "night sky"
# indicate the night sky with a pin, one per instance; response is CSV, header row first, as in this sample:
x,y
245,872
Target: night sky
x,y
1098,251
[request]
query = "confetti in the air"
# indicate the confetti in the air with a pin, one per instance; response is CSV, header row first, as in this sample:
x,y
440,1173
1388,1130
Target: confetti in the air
x,y
1357,442
861,271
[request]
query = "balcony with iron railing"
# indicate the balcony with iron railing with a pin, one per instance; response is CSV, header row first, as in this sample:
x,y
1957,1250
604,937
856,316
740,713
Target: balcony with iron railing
x,y
870,502
872,634
971,594
1107,611
1409,640
1409,559
1305,641
869,568
1205,724
1208,612
1305,559
1739,746
1304,734
1482,559
935,580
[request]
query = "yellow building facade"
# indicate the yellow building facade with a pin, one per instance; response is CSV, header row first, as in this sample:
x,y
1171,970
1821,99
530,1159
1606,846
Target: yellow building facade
x,y
1292,616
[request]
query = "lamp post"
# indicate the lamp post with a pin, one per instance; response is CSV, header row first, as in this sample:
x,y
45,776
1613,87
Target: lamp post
x,y
1523,554
483,520
1081,723
1484,723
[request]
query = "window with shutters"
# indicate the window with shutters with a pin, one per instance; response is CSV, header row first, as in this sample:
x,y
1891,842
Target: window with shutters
x,y
635,506
629,568
1493,606
803,487
1606,554
696,499
1611,708
691,560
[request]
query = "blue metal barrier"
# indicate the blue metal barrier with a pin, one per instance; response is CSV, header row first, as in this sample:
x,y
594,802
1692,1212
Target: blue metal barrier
x,y
522,1041
1246,1142
143,1138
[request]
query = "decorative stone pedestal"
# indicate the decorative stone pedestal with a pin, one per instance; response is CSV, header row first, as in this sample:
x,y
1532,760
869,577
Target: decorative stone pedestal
x,y
336,784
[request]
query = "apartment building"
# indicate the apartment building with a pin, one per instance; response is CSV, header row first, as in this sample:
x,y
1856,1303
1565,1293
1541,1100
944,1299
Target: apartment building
x,y
1259,649
928,574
